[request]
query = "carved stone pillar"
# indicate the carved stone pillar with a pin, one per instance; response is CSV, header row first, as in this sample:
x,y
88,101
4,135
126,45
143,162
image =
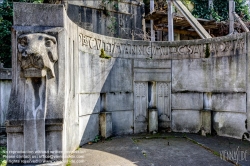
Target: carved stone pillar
x,y
34,86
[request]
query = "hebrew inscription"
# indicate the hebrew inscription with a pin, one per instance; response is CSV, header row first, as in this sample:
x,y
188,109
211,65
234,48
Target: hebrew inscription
x,y
37,54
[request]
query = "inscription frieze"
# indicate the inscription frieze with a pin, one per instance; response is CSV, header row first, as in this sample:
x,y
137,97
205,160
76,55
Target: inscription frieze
x,y
119,48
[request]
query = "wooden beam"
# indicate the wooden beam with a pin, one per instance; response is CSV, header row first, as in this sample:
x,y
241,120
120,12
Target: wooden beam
x,y
151,21
192,20
243,25
210,5
231,16
178,31
170,22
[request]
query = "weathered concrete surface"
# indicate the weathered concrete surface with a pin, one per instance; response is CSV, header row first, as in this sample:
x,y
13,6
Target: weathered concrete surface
x,y
79,84
158,150
5,88
189,100
152,120
117,101
88,127
93,72
106,124
232,102
122,122
109,18
224,74
206,121
24,16
89,104
186,121
229,124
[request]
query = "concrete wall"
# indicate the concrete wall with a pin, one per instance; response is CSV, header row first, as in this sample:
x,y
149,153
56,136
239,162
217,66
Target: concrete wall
x,y
123,19
180,79
5,88
189,83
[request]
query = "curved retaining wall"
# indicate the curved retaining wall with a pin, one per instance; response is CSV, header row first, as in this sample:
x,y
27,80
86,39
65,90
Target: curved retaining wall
x,y
64,93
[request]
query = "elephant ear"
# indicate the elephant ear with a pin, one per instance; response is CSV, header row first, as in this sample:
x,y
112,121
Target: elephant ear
x,y
51,46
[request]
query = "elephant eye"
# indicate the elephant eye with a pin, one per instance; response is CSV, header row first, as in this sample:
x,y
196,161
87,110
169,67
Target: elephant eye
x,y
48,43
23,42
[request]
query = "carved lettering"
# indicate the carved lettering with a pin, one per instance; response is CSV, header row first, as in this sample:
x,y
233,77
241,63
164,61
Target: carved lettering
x,y
197,50
164,51
222,47
156,50
173,51
191,51
148,50
92,43
184,50
133,49
229,46
140,50
98,44
127,50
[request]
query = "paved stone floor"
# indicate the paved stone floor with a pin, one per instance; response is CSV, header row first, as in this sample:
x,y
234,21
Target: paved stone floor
x,y
164,150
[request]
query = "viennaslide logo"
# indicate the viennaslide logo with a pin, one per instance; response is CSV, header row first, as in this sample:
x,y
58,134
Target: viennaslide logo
x,y
234,155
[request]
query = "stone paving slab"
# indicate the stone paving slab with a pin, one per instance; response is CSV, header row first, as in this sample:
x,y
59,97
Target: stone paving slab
x,y
158,150
235,150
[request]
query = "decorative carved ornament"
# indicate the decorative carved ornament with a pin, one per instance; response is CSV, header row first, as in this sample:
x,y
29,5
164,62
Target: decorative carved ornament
x,y
37,54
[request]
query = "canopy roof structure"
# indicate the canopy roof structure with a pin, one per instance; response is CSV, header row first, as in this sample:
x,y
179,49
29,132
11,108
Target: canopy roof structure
x,y
182,26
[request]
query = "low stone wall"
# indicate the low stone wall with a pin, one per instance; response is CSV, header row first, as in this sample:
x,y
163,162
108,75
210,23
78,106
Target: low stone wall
x,y
5,88
64,77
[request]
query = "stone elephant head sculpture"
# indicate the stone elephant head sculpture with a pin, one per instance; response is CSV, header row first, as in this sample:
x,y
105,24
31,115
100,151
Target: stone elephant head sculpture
x,y
37,52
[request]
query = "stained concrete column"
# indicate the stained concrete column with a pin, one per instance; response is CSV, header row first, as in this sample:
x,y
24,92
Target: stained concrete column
x,y
106,124
152,120
247,81
210,5
170,22
207,101
231,16
152,3
206,114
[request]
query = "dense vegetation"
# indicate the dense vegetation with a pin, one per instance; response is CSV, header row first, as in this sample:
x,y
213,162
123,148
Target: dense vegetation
x,y
219,11
6,14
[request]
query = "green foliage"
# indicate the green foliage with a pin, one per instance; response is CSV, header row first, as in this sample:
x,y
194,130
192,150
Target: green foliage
x,y
69,162
3,154
97,139
6,17
105,56
219,11
242,9
186,2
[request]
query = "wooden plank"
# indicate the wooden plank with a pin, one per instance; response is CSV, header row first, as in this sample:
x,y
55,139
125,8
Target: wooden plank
x,y
178,31
170,22
152,22
210,5
243,25
191,19
231,16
